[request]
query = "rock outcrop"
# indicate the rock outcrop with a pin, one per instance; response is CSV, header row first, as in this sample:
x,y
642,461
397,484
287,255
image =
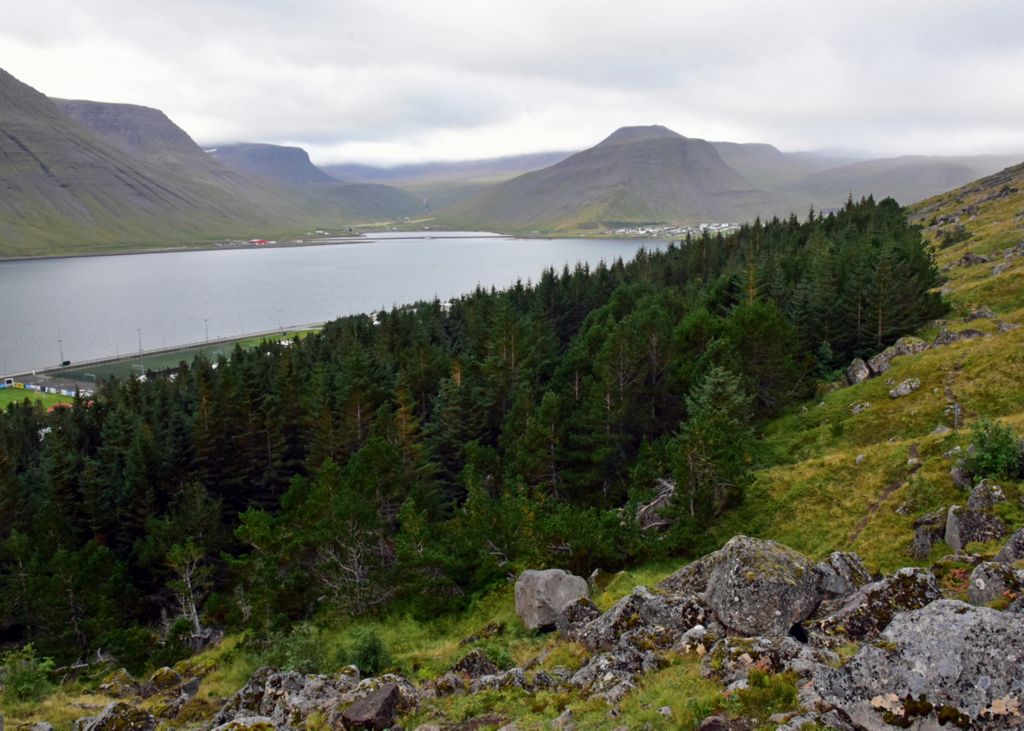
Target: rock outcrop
x,y
985,496
991,581
904,388
908,345
375,711
117,716
948,663
965,526
288,698
1013,550
871,608
762,587
542,595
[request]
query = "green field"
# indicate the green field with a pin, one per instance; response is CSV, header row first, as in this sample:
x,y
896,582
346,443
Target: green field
x,y
12,395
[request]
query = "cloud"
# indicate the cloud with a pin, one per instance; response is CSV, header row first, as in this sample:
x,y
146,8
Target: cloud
x,y
392,81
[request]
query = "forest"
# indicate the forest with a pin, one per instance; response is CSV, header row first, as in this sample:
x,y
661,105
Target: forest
x,y
410,460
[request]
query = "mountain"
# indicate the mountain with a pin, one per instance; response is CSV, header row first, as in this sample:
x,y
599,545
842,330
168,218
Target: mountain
x,y
289,165
766,166
81,177
637,175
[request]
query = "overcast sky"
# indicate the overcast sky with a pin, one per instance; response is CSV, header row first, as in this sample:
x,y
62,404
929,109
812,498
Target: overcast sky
x,y
386,81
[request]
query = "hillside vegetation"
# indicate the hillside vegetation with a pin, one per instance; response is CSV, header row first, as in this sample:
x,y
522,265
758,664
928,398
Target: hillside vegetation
x,y
461,421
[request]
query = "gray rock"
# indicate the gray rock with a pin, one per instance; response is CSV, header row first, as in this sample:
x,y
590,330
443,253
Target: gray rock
x,y
375,711
575,616
650,516
448,684
1017,607
408,695
860,407
857,372
948,337
1013,550
961,476
692,578
611,675
514,678
288,698
965,660
762,587
991,581
639,609
929,529
965,526
985,496
733,658
870,609
117,716
542,595
905,388
841,574
904,346
474,664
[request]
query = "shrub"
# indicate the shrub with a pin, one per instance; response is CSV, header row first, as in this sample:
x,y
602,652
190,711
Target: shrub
x,y
25,677
997,452
368,653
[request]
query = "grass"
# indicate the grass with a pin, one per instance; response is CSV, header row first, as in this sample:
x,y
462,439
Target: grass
x,y
14,395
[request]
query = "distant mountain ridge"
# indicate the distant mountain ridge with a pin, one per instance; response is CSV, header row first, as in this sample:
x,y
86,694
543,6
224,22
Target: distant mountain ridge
x,y
84,177
637,175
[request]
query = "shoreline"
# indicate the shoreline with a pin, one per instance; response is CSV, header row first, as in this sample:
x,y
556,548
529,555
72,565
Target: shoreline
x,y
355,239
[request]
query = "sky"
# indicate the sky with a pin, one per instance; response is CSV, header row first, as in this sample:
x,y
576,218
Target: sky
x,y
390,81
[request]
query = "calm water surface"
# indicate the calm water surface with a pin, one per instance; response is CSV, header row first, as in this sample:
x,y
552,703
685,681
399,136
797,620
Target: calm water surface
x,y
96,305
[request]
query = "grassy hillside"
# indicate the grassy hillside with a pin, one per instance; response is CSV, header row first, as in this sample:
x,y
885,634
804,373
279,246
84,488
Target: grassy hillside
x,y
827,479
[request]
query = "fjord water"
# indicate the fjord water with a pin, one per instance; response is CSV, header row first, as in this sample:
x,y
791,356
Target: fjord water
x,y
93,307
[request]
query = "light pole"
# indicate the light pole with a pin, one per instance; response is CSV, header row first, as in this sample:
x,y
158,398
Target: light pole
x,y
206,324
142,362
60,346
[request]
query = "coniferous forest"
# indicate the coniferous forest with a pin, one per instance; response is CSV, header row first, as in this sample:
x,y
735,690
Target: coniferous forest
x,y
413,459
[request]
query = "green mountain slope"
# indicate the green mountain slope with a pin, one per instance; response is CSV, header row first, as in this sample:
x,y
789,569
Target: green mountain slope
x,y
636,175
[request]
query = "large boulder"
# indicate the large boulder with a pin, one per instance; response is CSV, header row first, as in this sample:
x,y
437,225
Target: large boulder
x,y
1013,550
375,711
117,716
904,346
947,663
542,595
964,526
611,675
991,581
762,587
119,684
857,372
869,610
